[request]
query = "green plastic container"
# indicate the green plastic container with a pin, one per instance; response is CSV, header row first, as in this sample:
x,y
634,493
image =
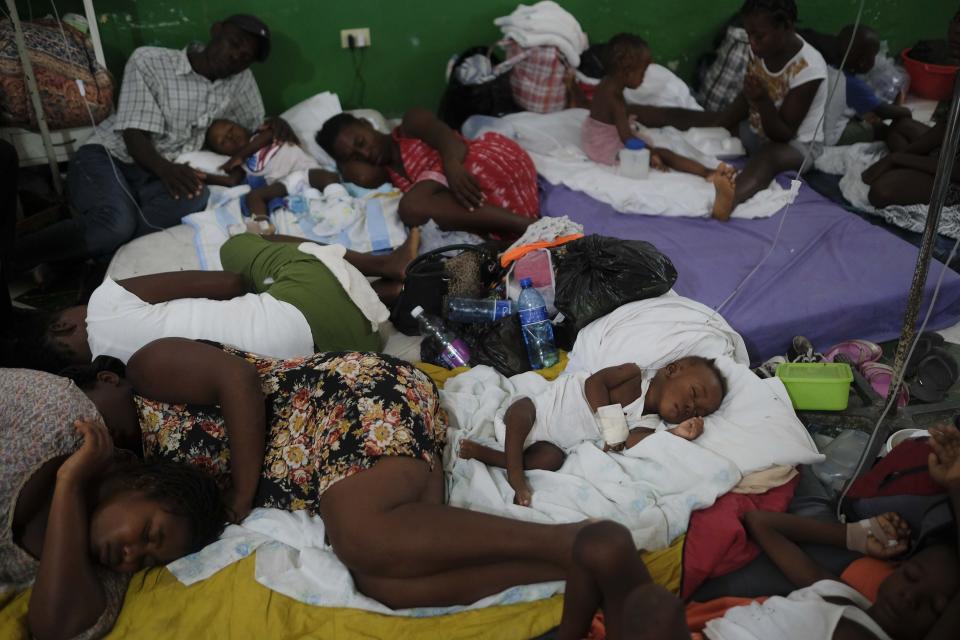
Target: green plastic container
x,y
817,386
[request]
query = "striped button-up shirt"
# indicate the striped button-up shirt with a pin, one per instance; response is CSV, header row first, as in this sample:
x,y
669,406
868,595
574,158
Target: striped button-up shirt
x,y
162,95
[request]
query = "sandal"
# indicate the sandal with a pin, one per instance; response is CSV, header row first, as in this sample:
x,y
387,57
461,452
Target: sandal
x,y
880,376
926,342
858,352
935,374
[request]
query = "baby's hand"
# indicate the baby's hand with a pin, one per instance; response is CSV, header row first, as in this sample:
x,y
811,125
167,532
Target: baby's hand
x,y
690,429
897,533
656,162
232,163
523,496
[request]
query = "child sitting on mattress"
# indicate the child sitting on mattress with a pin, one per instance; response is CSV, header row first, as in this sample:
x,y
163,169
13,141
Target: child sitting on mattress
x,y
623,403
608,127
257,154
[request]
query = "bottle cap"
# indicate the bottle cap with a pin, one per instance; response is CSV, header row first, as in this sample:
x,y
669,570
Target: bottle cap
x,y
526,283
416,311
635,144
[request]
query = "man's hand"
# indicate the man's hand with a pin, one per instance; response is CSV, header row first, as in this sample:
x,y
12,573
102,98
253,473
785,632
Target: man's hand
x,y
944,461
180,180
282,132
93,456
690,429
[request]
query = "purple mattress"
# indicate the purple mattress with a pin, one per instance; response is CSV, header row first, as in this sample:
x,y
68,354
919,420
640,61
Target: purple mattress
x,y
831,277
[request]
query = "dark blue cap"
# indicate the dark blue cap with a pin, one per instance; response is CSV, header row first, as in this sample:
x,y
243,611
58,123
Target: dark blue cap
x,y
635,144
526,283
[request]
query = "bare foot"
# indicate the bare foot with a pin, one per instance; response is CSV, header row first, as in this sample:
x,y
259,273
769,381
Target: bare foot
x,y
723,199
402,256
469,449
523,496
725,169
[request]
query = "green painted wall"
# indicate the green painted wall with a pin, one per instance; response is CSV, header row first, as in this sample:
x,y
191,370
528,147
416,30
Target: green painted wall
x,y
413,39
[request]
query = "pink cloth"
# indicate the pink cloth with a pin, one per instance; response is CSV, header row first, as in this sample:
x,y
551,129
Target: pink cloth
x,y
601,141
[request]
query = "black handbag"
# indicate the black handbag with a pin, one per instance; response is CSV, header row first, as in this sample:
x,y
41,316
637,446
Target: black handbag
x,y
434,275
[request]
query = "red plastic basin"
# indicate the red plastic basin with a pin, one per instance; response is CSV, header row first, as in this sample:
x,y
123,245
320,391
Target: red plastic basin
x,y
933,81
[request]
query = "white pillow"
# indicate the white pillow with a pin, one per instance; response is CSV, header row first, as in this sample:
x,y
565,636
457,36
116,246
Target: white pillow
x,y
306,119
206,161
755,427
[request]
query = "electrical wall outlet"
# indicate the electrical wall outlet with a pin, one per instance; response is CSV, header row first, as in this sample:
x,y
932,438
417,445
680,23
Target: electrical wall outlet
x,y
361,38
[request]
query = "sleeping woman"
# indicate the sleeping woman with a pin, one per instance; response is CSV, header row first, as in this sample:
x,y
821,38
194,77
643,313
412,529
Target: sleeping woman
x,y
357,437
486,186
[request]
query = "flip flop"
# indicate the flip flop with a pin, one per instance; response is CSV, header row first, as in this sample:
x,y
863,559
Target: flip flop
x,y
859,352
880,376
935,374
925,343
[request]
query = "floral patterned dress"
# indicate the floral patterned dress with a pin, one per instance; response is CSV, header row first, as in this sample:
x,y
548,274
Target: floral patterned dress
x,y
329,416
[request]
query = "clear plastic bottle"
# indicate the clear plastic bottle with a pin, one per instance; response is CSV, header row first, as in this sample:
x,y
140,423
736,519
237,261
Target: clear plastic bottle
x,y
536,328
454,352
478,310
634,159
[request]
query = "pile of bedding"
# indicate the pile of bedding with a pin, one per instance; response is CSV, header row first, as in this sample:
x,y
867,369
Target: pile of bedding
x,y
851,161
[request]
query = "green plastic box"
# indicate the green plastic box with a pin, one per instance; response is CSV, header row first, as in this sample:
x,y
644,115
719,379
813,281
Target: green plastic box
x,y
817,386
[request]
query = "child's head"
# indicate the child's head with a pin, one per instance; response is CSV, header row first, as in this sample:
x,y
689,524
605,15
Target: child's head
x,y
627,57
690,387
769,25
863,53
361,174
226,137
912,598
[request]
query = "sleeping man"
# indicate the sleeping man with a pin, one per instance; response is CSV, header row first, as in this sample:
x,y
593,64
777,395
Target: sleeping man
x,y
624,404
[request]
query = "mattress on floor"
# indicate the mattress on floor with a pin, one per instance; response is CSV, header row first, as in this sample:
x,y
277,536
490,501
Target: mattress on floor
x,y
831,276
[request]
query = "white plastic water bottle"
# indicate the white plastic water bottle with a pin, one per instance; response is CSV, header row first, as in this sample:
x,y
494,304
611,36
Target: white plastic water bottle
x,y
535,327
634,159
478,310
454,352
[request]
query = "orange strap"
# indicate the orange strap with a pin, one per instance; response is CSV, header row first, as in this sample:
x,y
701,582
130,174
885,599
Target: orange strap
x,y
515,254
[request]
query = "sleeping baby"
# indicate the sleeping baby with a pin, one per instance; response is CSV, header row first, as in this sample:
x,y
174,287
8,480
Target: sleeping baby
x,y
255,154
624,404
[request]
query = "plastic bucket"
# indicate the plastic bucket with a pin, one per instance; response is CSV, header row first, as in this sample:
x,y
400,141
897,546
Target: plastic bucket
x,y
817,386
933,81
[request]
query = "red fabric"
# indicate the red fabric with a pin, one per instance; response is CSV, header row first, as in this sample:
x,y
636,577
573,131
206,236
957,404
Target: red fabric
x,y
902,472
866,574
717,542
537,80
505,172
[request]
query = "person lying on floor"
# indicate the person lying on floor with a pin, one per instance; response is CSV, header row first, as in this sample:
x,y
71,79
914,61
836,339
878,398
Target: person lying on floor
x,y
779,111
920,599
358,437
607,129
870,110
124,181
273,298
905,176
253,154
79,516
486,186
538,431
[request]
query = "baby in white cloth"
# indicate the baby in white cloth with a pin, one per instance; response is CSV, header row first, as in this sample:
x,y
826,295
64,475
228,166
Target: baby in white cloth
x,y
254,154
623,404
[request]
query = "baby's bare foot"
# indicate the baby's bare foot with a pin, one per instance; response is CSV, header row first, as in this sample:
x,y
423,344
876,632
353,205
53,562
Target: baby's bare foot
x,y
402,256
723,199
469,449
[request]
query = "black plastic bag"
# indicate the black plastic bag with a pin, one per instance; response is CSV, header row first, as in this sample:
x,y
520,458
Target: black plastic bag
x,y
498,344
597,274
492,98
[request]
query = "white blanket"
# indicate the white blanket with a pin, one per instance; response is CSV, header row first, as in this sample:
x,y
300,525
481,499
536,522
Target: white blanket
x,y
651,489
362,224
545,24
851,161
553,142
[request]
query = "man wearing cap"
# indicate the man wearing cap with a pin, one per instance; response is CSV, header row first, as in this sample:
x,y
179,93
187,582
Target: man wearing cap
x,y
125,181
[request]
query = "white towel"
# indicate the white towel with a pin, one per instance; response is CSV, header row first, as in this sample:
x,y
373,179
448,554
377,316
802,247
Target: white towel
x,y
545,24
353,282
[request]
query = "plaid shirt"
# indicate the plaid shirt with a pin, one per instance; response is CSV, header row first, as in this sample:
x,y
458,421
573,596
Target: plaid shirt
x,y
163,95
723,79
537,79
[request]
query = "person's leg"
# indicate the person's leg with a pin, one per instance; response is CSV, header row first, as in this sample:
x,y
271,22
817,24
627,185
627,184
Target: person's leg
x,y
427,537
653,613
902,133
429,200
159,209
763,166
539,455
901,186
104,216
